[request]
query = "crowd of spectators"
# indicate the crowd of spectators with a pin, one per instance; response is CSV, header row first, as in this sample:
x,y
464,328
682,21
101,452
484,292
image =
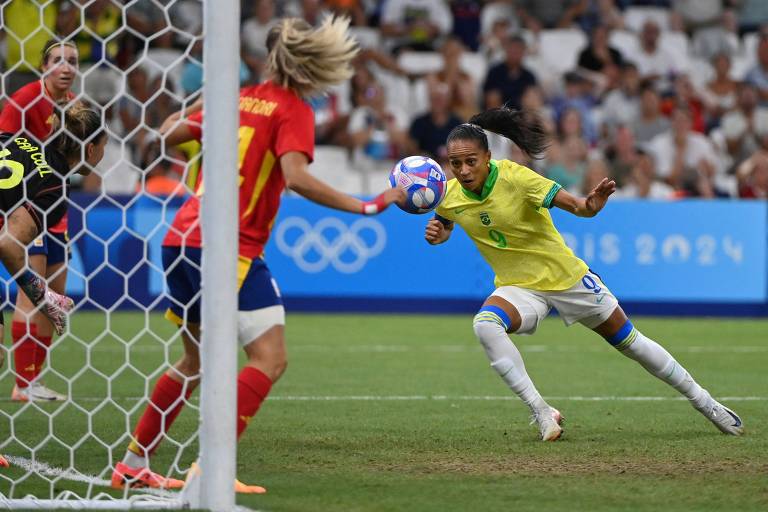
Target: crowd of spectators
x,y
667,97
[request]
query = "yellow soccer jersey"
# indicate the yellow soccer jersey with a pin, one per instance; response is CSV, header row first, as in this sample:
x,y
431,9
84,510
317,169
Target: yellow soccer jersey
x,y
511,226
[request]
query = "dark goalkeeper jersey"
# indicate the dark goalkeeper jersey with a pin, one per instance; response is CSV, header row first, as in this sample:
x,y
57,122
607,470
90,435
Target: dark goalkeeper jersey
x,y
33,178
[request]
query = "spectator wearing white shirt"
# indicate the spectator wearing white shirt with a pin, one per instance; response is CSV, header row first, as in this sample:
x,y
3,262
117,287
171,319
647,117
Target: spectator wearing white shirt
x,y
652,60
685,159
642,181
415,24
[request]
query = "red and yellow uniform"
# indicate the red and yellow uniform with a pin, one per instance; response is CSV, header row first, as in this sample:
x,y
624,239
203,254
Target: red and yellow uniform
x,y
273,121
30,110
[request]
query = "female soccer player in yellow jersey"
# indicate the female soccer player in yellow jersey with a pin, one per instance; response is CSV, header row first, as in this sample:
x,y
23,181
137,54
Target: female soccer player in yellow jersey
x,y
504,208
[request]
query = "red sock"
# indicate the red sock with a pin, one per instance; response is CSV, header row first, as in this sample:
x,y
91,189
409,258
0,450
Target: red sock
x,y
41,354
165,405
25,352
252,388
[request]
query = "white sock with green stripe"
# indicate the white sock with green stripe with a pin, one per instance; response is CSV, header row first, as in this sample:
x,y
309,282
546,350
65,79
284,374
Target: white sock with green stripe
x,y
660,363
491,324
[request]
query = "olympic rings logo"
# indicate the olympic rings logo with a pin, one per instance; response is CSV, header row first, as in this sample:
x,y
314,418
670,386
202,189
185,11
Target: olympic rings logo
x,y
330,239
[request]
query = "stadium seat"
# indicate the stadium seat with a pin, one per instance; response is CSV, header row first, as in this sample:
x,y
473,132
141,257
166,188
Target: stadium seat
x,y
475,64
625,42
332,165
420,63
700,71
749,46
367,37
634,17
740,65
560,48
677,44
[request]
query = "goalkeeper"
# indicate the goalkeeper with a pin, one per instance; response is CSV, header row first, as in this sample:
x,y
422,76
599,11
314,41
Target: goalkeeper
x,y
504,208
32,197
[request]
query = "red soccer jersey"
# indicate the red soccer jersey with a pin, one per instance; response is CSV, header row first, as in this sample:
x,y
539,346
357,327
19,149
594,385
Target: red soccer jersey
x,y
32,104
273,121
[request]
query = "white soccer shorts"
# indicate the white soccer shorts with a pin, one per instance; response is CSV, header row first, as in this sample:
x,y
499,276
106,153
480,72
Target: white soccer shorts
x,y
589,302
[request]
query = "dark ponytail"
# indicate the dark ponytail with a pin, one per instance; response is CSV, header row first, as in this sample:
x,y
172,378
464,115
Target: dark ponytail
x,y
523,127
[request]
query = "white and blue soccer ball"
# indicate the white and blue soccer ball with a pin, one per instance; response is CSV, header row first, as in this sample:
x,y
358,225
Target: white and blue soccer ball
x,y
423,181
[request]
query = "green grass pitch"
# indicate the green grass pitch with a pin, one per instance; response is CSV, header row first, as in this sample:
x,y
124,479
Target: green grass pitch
x,y
391,413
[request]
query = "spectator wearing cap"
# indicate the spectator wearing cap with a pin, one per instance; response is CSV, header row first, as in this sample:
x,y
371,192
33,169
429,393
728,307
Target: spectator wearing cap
x,y
506,81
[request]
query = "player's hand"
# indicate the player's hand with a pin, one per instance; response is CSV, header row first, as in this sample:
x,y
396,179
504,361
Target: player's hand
x,y
599,196
435,232
380,203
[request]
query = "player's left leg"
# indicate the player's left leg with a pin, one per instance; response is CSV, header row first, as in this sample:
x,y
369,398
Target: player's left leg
x,y
169,395
515,310
172,390
622,335
32,334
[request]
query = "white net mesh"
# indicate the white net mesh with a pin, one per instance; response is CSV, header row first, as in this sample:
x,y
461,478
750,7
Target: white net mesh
x,y
70,403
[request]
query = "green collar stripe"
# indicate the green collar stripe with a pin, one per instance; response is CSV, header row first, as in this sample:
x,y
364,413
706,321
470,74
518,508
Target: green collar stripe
x,y
490,181
551,195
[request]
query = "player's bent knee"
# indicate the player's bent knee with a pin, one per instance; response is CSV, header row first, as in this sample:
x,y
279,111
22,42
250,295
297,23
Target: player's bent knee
x,y
254,324
624,337
488,321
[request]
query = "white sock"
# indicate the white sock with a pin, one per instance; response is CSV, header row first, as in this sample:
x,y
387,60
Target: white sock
x,y
654,358
507,361
134,460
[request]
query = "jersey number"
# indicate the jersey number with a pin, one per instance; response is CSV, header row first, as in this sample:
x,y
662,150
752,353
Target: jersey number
x,y
244,136
498,237
17,171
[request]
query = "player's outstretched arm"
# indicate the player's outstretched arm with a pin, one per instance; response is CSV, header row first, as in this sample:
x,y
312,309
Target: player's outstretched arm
x,y
585,206
436,232
297,178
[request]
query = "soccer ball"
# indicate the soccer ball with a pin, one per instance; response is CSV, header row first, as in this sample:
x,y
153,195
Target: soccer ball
x,y
423,181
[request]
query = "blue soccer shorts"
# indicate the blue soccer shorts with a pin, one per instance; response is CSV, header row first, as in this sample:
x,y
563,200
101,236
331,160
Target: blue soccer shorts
x,y
256,287
53,245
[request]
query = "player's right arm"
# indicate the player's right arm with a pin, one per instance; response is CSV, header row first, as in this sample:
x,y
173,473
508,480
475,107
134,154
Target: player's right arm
x,y
438,231
295,166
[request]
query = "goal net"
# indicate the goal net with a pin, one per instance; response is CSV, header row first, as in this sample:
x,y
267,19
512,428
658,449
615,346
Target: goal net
x,y
70,403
